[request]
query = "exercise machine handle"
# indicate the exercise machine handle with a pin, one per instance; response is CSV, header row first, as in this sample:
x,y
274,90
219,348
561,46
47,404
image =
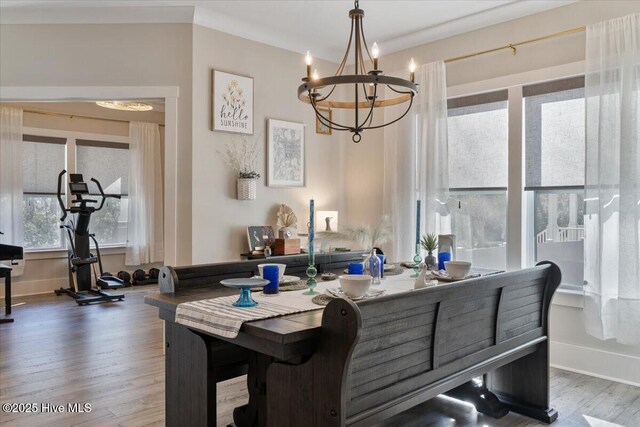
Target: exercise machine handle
x,y
62,206
104,196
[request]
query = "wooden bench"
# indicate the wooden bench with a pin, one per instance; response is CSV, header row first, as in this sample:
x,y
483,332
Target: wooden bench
x,y
383,356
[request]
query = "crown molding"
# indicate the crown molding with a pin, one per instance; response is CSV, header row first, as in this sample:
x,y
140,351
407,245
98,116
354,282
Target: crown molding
x,y
486,18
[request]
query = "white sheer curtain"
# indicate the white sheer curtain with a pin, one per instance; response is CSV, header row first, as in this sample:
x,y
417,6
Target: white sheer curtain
x,y
11,176
416,163
612,199
145,220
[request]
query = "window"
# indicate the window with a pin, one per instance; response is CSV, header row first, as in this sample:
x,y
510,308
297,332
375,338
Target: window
x,y
478,155
42,160
554,126
108,162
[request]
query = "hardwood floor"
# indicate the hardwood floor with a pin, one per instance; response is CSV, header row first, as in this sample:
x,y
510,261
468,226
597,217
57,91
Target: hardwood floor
x,y
110,356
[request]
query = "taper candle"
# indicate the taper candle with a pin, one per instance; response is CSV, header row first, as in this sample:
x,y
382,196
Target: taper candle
x,y
418,224
312,228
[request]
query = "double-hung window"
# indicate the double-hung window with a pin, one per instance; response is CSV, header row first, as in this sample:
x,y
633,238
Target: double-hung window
x,y
554,133
478,136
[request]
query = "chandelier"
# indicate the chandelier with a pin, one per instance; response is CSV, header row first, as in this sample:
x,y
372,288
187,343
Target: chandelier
x,y
367,85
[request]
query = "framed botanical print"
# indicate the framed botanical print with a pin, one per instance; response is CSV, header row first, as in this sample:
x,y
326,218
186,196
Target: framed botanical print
x,y
232,109
285,154
321,127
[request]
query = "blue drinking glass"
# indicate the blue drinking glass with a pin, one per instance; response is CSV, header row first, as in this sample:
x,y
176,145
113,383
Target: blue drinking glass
x,y
272,274
442,258
356,268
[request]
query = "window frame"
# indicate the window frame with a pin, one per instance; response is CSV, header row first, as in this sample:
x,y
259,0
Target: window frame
x,y
70,166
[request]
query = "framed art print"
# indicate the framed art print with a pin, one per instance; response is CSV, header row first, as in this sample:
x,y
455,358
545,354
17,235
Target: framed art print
x,y
285,154
232,102
321,127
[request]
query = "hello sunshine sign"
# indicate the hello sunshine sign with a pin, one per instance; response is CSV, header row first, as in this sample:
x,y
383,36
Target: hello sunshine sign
x,y
232,102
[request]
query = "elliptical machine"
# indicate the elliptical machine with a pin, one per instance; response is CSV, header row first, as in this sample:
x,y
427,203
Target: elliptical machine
x,y
81,260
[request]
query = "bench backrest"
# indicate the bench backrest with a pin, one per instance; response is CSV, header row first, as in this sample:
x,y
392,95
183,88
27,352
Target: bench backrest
x,y
412,339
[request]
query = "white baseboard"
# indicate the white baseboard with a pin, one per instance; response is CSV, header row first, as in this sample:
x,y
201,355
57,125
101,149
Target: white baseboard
x,y
622,368
35,287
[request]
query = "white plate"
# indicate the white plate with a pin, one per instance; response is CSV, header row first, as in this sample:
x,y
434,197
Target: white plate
x,y
285,279
339,293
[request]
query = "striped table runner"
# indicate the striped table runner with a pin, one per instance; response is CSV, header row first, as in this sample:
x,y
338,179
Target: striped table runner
x,y
220,317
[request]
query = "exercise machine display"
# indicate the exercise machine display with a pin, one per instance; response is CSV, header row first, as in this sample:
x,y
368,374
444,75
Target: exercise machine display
x,y
81,260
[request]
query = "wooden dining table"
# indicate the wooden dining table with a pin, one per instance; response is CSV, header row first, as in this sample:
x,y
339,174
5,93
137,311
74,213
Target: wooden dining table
x,y
196,360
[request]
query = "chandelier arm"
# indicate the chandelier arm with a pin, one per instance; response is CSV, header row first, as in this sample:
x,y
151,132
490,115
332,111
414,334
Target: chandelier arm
x,y
370,115
346,53
399,91
325,97
392,122
366,46
328,122
366,95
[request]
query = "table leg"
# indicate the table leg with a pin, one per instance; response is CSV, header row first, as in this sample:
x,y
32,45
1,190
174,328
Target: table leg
x,y
190,394
253,414
7,298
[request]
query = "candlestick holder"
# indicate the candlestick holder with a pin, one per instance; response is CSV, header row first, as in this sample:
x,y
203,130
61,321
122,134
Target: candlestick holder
x,y
417,259
311,281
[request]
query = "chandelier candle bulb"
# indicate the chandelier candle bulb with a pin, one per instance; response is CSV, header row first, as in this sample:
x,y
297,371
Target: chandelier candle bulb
x,y
375,52
412,70
309,61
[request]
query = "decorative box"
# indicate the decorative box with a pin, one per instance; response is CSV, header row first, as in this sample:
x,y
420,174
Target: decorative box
x,y
287,247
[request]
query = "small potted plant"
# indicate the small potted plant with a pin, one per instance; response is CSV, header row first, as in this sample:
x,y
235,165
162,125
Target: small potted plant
x,y
429,243
242,158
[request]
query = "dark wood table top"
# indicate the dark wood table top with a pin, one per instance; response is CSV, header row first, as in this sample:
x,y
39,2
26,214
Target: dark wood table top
x,y
282,337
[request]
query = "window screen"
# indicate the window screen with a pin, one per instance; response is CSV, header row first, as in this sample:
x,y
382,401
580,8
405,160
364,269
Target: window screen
x,y
478,141
41,164
555,133
107,162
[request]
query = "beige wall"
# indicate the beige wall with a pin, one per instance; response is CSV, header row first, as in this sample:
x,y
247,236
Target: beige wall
x,y
219,219
110,55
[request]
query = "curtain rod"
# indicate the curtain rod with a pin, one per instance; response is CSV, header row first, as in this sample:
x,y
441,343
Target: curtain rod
x,y
71,116
513,46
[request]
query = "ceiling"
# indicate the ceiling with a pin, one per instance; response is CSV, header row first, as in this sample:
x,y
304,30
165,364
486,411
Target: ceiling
x,y
316,25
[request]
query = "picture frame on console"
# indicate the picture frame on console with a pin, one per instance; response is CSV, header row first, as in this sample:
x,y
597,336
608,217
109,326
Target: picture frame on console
x,y
286,154
232,102
259,237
